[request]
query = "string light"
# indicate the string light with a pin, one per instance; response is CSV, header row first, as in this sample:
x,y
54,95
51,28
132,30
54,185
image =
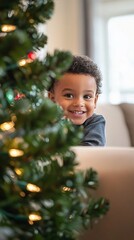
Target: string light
x,y
8,28
66,189
34,217
32,188
24,61
6,126
18,171
22,194
10,95
16,153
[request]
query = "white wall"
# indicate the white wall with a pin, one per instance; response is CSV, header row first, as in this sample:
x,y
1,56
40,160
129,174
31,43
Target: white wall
x,y
64,29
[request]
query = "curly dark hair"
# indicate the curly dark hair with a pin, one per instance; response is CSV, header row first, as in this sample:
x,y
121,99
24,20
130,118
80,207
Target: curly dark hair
x,y
84,65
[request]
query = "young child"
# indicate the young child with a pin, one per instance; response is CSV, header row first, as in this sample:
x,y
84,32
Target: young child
x,y
77,92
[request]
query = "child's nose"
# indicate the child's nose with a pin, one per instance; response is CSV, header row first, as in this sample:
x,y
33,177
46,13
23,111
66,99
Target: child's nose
x,y
78,102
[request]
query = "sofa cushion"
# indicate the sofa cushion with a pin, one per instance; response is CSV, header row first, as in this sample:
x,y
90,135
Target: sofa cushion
x,y
128,110
117,133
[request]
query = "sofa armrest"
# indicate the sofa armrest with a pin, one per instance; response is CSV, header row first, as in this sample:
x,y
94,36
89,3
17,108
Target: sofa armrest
x,y
115,167
128,111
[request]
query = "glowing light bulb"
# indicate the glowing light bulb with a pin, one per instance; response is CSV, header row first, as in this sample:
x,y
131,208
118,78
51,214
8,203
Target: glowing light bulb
x,y
32,188
24,61
18,171
66,189
6,126
16,153
8,28
34,217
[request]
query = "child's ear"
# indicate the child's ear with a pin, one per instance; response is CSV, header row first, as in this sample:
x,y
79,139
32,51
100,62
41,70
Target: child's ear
x,y
51,96
96,99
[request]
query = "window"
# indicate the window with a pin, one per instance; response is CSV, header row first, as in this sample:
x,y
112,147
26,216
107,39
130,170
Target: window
x,y
121,58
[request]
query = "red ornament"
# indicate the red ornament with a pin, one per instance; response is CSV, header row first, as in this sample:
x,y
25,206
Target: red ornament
x,y
19,96
31,55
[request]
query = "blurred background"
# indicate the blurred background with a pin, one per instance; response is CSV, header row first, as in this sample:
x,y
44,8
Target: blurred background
x,y
104,31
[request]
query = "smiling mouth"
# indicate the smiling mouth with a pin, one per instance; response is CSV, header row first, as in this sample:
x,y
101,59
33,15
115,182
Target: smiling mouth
x,y
77,112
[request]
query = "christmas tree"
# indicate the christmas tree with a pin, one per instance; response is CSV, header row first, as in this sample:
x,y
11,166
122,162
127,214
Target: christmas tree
x,y
42,196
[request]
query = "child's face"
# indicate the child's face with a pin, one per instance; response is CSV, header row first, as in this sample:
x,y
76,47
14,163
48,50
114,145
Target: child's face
x,y
76,94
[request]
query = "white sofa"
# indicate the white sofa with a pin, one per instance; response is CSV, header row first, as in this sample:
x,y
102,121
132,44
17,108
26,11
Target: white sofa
x,y
115,166
119,123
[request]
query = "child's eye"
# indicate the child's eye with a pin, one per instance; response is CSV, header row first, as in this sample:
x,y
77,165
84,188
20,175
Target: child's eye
x,y
68,95
87,97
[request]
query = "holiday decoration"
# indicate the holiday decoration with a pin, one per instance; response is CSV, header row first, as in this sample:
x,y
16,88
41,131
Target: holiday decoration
x,y
42,196
19,96
8,28
31,55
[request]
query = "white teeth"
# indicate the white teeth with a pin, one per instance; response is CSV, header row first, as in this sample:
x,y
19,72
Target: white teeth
x,y
78,112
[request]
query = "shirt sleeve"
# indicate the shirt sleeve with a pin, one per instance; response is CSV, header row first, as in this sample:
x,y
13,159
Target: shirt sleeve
x,y
94,131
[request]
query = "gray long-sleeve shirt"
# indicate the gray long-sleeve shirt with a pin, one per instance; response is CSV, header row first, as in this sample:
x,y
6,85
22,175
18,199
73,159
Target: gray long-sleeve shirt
x,y
94,131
